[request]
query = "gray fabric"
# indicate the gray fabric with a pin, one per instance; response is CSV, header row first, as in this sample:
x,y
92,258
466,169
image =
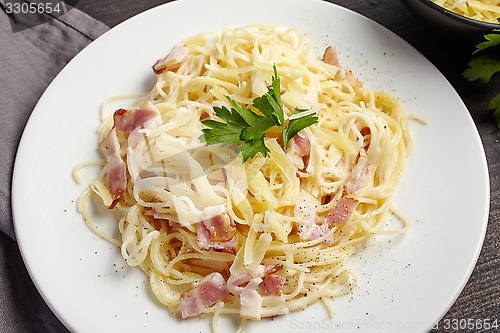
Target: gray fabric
x,y
22,309
29,60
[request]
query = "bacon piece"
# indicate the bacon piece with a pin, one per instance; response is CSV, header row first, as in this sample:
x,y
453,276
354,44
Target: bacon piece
x,y
116,176
304,148
241,280
271,269
220,226
330,57
204,115
251,285
172,61
298,151
303,144
316,231
366,131
130,120
210,290
205,243
342,211
312,228
357,176
306,210
272,284
217,231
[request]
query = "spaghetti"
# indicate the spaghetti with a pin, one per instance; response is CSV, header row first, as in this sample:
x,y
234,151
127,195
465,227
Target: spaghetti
x,y
269,235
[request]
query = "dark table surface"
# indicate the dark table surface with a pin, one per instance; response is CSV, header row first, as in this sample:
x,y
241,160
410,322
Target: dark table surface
x,y
480,298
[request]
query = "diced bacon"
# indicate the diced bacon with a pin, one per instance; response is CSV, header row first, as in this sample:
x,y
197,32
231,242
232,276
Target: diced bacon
x,y
339,214
303,144
357,176
172,61
116,176
130,120
205,243
210,290
204,115
306,210
251,285
298,151
342,211
217,231
318,230
272,284
271,269
366,131
220,226
312,228
330,57
241,280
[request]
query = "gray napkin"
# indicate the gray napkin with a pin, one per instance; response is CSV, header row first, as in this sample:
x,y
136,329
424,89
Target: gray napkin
x,y
29,60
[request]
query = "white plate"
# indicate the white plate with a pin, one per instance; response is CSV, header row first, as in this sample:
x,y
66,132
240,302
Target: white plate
x,y
405,283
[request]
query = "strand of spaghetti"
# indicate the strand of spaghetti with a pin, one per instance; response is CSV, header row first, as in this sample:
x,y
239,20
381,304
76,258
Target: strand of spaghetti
x,y
328,305
82,203
241,326
76,171
105,105
218,309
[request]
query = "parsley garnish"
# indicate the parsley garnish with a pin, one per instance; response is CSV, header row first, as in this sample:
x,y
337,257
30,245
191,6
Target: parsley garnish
x,y
483,67
241,125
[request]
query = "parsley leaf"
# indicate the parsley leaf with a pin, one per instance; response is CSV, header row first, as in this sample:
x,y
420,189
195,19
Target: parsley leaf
x,y
494,105
250,148
270,103
241,125
491,40
220,132
482,67
296,124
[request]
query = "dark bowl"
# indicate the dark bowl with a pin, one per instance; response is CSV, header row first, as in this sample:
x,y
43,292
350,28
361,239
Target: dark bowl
x,y
447,22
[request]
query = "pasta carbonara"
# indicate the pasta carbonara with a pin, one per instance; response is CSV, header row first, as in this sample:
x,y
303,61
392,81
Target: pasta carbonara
x,y
481,10
260,238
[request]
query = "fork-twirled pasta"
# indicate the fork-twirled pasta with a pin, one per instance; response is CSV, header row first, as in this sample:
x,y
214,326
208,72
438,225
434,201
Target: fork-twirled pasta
x,y
263,237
